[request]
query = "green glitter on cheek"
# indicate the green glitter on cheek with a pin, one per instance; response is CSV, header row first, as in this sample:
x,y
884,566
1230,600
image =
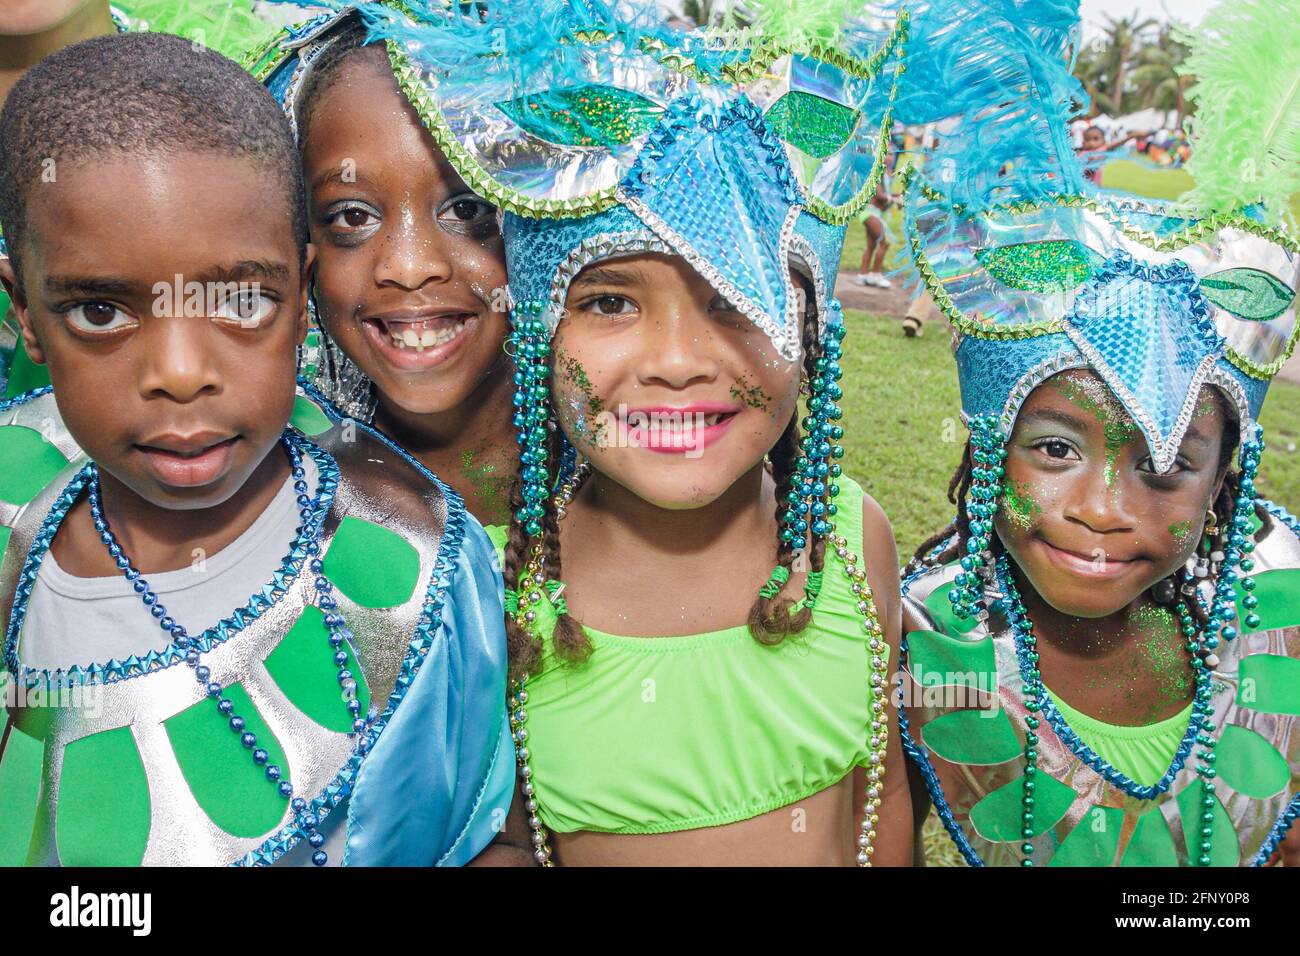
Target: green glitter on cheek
x,y
577,376
1180,530
753,396
1018,507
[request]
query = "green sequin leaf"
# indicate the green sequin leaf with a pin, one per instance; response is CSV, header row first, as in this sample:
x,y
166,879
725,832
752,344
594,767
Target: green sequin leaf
x,y
1269,683
584,116
20,789
1278,593
1057,265
308,418
938,660
940,606
371,565
812,124
221,776
303,668
1248,293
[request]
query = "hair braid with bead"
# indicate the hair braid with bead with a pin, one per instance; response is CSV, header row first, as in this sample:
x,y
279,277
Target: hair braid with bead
x,y
770,620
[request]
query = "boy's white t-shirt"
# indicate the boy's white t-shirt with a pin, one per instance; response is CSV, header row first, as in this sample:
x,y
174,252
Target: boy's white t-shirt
x,y
79,621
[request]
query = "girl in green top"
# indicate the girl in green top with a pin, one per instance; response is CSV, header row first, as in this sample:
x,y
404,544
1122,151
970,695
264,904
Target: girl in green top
x,y
702,609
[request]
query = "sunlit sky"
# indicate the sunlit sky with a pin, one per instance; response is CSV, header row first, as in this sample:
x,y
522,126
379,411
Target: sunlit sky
x,y
1095,12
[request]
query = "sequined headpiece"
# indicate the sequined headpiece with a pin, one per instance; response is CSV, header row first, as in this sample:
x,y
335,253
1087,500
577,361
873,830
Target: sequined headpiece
x,y
1039,271
743,154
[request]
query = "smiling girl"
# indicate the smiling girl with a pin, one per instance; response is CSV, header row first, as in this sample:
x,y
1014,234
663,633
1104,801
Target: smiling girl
x,y
1103,649
702,611
410,284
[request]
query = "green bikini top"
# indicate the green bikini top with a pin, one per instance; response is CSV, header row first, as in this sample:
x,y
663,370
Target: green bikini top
x,y
654,735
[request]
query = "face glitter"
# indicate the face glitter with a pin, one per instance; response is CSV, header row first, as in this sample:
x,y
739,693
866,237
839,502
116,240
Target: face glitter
x,y
753,396
1119,434
1018,507
1180,530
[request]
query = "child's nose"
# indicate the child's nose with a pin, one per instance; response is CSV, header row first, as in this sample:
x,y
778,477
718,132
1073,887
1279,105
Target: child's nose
x,y
1097,501
413,252
178,361
676,353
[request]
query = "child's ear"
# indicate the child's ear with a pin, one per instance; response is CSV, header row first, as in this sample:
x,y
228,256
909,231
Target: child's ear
x,y
304,293
19,304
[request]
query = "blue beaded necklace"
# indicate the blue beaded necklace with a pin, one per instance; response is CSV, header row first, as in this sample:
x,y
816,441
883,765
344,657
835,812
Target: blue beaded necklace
x,y
311,511
1200,728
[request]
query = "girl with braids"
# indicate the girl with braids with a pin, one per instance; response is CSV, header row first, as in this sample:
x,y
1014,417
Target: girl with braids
x,y
1103,649
701,607
410,281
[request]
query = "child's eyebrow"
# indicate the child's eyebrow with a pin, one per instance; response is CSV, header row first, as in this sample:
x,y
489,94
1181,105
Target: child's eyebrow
x,y
57,285
599,275
243,271
1057,417
335,175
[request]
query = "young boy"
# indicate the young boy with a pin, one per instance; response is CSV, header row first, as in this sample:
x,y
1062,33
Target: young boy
x,y
30,31
350,710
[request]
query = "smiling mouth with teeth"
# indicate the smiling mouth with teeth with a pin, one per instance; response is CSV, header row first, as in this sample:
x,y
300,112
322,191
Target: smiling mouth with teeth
x,y
428,334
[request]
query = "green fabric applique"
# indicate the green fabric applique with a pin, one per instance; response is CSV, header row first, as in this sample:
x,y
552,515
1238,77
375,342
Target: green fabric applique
x,y
980,737
997,817
1224,847
20,788
1152,843
307,418
1248,763
4,538
1279,599
813,124
1094,841
232,791
371,565
941,609
1269,683
302,666
30,463
24,374
103,816
937,660
1248,293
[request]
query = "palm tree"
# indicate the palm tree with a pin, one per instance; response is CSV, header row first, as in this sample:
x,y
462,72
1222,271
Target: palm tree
x,y
1122,36
1156,78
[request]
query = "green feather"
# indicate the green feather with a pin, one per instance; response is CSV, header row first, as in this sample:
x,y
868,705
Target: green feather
x,y
800,23
232,29
1245,135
